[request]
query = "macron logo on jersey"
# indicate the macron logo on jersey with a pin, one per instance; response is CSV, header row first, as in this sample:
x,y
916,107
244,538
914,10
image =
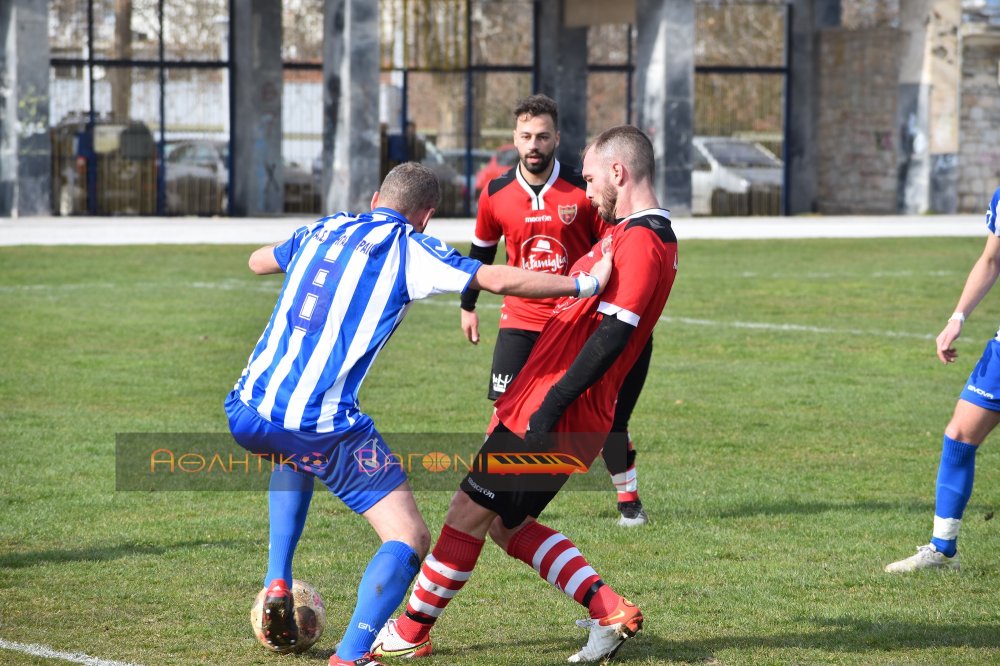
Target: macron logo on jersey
x,y
437,247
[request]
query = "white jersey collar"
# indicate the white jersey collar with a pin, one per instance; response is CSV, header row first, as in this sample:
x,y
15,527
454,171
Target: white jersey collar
x,y
537,200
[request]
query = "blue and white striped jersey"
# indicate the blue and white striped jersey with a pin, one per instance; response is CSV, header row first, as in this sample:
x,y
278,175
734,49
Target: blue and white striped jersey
x,y
349,282
991,214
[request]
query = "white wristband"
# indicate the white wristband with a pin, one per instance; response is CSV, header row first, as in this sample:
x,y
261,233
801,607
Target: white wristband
x,y
587,286
960,316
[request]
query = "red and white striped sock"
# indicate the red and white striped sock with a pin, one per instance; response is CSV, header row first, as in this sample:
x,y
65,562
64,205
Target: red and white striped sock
x,y
558,561
627,483
444,571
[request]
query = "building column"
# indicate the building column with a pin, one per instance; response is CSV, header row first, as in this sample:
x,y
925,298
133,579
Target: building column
x,y
912,112
945,72
25,145
562,75
351,138
256,179
808,17
665,94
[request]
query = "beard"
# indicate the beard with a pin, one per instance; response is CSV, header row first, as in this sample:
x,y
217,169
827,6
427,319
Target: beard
x,y
542,164
609,201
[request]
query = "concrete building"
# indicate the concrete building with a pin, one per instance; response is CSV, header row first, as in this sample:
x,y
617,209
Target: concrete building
x,y
887,109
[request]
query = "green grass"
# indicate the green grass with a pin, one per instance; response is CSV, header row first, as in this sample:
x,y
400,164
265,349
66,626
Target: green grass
x,y
789,435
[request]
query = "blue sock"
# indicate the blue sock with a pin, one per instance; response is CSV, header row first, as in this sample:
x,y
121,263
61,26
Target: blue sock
x,y
382,588
954,487
288,504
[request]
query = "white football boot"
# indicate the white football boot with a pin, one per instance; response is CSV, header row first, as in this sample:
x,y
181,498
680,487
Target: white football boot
x,y
927,557
388,643
609,633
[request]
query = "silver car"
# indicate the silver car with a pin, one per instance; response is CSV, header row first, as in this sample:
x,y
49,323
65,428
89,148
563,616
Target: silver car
x,y
734,177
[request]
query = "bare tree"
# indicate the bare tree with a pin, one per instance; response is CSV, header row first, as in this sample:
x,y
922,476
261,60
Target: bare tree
x,y
121,77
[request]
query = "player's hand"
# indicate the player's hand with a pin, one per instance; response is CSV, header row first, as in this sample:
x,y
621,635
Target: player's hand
x,y
470,326
946,339
602,269
539,434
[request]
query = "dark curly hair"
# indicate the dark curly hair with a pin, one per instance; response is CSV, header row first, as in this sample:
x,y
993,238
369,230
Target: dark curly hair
x,y
537,105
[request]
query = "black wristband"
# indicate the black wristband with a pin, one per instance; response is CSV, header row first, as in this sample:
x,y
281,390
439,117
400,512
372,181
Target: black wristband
x,y
485,255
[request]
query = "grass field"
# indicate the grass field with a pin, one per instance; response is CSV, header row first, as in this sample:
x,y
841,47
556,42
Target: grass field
x,y
789,435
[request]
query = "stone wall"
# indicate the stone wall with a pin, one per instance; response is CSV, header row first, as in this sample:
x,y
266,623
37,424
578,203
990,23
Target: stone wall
x,y
979,145
857,138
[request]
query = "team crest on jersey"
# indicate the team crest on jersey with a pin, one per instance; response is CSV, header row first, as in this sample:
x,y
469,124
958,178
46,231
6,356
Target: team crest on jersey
x,y
567,213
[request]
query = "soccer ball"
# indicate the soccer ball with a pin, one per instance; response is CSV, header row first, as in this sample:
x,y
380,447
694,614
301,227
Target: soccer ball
x,y
310,615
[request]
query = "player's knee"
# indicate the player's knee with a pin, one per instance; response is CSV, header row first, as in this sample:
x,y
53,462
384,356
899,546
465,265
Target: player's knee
x,y
420,540
499,533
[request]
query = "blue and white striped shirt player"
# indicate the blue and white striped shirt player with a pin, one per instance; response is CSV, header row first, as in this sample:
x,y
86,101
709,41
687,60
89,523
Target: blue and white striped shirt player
x,y
349,282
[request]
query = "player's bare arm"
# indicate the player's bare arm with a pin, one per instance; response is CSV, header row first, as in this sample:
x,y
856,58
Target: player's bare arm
x,y
470,320
981,279
470,326
262,261
505,279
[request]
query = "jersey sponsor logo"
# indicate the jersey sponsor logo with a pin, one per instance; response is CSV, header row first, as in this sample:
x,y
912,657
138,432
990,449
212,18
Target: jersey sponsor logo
x,y
438,247
544,254
544,217
479,489
567,303
567,213
979,391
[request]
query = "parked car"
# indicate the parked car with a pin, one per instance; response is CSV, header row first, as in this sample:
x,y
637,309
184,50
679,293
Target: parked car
x,y
120,157
302,188
503,158
453,185
196,177
456,158
734,177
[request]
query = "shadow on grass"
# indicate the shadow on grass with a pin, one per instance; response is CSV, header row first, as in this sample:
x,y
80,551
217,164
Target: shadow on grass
x,y
837,636
102,553
834,636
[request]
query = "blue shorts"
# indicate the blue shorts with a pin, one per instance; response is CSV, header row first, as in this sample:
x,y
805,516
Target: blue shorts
x,y
983,385
357,465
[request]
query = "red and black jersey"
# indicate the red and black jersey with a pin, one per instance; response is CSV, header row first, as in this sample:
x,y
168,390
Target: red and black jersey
x,y
546,232
645,264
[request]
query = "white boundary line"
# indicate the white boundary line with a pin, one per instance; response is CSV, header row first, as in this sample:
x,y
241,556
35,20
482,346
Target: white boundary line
x,y
48,653
759,326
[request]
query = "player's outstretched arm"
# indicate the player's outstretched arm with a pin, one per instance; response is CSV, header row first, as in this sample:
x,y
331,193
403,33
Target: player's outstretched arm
x,y
981,279
529,284
262,261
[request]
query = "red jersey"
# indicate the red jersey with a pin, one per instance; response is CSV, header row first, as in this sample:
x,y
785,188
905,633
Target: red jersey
x,y
645,264
545,232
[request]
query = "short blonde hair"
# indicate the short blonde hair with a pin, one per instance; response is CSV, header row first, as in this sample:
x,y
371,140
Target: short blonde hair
x,y
631,146
410,187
